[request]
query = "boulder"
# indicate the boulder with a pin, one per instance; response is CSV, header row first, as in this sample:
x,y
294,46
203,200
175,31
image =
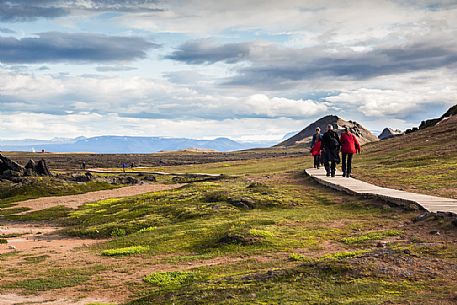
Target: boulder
x,y
9,174
10,169
8,164
82,178
388,133
41,169
30,168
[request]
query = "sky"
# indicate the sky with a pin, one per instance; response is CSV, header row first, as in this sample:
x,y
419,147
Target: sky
x,y
248,70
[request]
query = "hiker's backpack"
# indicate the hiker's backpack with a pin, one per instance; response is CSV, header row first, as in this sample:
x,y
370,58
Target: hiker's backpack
x,y
334,143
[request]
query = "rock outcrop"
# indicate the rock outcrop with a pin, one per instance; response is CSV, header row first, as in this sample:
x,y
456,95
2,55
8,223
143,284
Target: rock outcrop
x,y
433,122
388,133
10,169
305,136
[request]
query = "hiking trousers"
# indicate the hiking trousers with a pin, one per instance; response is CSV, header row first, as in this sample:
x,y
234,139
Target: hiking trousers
x,y
317,161
347,164
330,167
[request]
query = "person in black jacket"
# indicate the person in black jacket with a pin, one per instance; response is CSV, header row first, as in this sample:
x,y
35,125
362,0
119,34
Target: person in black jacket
x,y
331,146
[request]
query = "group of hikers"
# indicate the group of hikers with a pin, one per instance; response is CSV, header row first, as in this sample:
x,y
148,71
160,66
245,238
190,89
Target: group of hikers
x,y
326,150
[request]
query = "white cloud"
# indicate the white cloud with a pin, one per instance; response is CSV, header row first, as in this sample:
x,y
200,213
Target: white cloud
x,y
45,126
138,97
393,103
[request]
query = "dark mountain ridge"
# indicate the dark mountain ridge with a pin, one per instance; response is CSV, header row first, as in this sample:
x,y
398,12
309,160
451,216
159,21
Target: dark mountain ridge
x,y
305,136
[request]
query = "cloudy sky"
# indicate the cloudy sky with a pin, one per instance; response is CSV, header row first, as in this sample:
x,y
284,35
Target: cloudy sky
x,y
248,70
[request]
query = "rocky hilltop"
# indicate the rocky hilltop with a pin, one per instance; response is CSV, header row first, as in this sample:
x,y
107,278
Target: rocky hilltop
x,y
433,122
305,136
388,133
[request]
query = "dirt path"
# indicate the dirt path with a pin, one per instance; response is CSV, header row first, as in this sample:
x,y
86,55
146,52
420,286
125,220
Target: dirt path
x,y
42,241
74,201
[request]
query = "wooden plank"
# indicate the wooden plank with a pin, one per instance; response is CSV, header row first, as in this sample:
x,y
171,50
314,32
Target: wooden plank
x,y
412,200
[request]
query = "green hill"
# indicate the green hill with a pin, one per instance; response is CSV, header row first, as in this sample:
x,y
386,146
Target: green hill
x,y
424,161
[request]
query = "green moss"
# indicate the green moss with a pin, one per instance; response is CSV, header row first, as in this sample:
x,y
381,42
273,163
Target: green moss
x,y
44,187
54,279
148,229
125,251
296,257
251,282
170,280
51,214
370,236
260,233
345,254
117,232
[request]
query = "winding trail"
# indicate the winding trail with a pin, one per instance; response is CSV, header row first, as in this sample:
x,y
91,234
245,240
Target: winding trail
x,y
353,186
74,201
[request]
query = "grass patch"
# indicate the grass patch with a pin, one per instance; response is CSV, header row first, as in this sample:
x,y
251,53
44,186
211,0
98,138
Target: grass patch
x,y
125,251
55,214
148,229
344,254
36,259
170,280
46,186
54,279
261,233
370,236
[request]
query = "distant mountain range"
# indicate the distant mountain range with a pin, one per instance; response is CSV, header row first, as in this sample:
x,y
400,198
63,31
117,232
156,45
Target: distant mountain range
x,y
126,144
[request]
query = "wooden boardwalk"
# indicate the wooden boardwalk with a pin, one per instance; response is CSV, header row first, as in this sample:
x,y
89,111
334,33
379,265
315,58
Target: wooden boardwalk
x,y
412,200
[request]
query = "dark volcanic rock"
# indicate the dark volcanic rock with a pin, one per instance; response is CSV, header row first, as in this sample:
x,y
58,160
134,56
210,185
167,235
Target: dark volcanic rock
x,y
10,169
39,168
8,164
82,178
42,169
433,122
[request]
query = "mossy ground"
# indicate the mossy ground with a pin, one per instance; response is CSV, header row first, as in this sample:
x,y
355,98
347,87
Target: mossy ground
x,y
45,186
424,161
269,236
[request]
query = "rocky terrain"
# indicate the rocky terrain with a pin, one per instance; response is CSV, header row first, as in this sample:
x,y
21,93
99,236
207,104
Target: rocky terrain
x,y
305,136
10,169
433,122
388,133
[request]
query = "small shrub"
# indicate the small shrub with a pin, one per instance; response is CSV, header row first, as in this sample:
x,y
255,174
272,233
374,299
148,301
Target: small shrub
x,y
173,279
296,257
148,229
117,232
217,196
260,233
259,187
3,241
125,251
233,238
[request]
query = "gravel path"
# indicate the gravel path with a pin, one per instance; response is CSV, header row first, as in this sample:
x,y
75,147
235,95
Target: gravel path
x,y
74,201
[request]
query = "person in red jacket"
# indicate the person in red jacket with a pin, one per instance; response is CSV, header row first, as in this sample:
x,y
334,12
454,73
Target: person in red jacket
x,y
349,146
316,148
